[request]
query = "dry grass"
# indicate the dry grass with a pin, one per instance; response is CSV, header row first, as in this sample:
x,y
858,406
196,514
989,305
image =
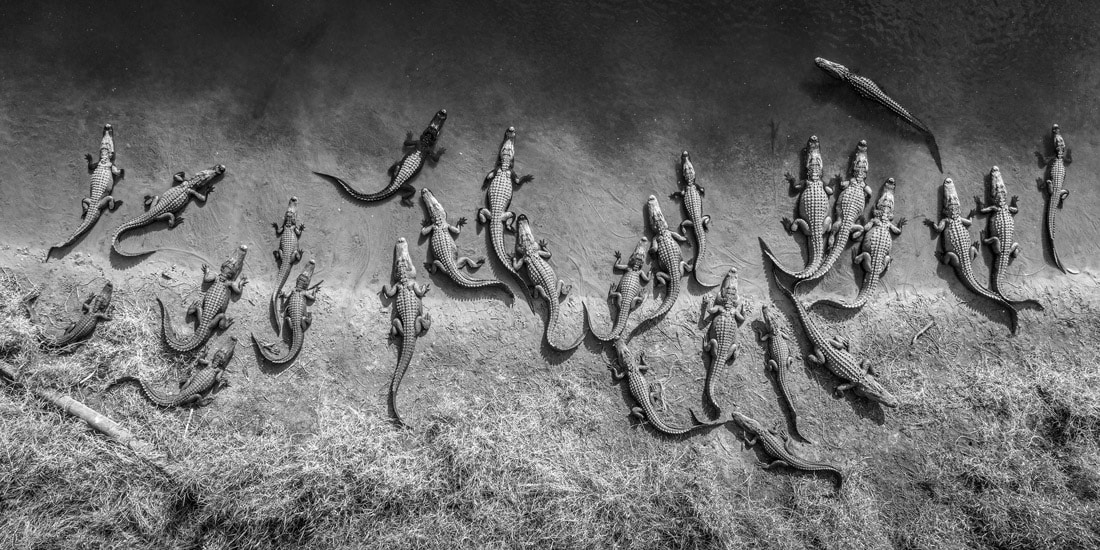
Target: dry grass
x,y
1003,452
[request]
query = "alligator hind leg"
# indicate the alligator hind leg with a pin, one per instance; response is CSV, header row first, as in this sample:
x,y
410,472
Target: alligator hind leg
x,y
396,329
799,224
150,200
1062,197
1014,251
85,203
172,219
423,323
408,192
464,262
110,202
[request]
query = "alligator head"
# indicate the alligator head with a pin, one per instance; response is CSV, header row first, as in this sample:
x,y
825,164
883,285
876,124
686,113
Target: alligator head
x,y
302,282
103,299
687,169
403,267
637,258
748,424
625,359
728,291
1059,142
507,149
525,239
224,354
657,220
204,177
835,70
290,219
997,187
107,146
814,166
872,389
435,210
431,133
771,318
860,166
232,267
884,208
951,206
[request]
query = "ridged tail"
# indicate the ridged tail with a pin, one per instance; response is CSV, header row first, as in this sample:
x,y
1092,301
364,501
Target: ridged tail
x,y
616,329
811,267
1051,209
152,394
1013,315
700,258
408,345
870,282
359,195
468,282
89,220
280,281
173,340
839,244
552,326
128,226
666,306
296,340
717,366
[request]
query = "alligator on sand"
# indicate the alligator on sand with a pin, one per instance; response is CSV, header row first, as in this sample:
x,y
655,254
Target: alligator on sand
x,y
210,311
104,175
167,206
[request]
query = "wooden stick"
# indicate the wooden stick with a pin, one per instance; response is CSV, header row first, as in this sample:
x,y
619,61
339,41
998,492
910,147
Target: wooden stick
x,y
921,331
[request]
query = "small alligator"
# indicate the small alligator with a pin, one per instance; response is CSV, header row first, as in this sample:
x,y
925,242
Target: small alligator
x,y
288,253
721,339
776,445
104,175
210,312
634,372
295,314
446,252
167,205
666,246
777,336
851,201
692,197
94,310
874,256
206,380
1056,191
813,209
959,251
534,255
836,355
627,294
403,171
1002,231
868,89
410,320
501,180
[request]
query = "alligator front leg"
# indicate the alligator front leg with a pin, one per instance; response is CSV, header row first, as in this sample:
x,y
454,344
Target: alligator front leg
x,y
410,140
817,356
299,229
435,155
676,236
408,192
109,203
841,388
457,228
1012,208
150,200
421,290
517,183
236,287
1014,251
198,196
117,172
92,163
389,290
619,265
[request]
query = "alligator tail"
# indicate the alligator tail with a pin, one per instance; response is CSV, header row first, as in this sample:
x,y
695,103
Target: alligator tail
x,y
296,339
1051,209
839,244
89,220
552,327
130,225
408,345
666,306
870,282
469,282
158,397
616,329
716,367
808,270
280,281
172,338
496,235
700,259
359,195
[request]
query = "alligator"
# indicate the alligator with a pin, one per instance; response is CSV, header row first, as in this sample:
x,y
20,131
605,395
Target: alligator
x,y
777,336
288,253
692,197
813,207
446,252
835,354
959,251
104,175
403,171
210,312
501,180
1002,231
295,314
634,372
94,310
627,294
1057,191
874,256
776,445
851,201
409,320
205,380
666,246
868,89
721,340
166,206
534,256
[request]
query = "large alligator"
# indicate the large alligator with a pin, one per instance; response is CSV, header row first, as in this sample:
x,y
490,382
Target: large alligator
x,y
409,320
104,175
834,353
959,251
672,267
692,198
94,310
633,369
166,206
1056,191
288,253
501,181
294,314
777,336
1002,231
775,444
813,209
445,250
868,89
210,311
877,239
851,201
205,380
627,294
403,171
534,255
721,339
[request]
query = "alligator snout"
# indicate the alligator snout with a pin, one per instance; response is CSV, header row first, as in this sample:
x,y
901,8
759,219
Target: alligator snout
x,y
108,129
219,169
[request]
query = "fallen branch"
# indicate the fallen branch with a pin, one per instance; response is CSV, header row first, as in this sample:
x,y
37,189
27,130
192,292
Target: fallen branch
x,y
921,331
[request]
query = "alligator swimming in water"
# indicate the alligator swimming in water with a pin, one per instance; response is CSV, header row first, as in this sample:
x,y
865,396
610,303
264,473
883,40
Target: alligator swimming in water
x,y
813,211
210,311
104,175
672,267
501,180
409,320
874,256
692,197
166,206
627,294
633,369
721,338
959,251
1002,231
868,89
1056,191
780,358
775,444
202,381
851,201
293,313
445,250
288,253
94,310
403,171
534,255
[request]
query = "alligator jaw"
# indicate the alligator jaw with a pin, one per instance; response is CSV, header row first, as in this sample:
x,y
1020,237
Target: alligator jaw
x,y
306,275
402,262
835,70
233,266
435,210
686,168
107,146
438,120
656,217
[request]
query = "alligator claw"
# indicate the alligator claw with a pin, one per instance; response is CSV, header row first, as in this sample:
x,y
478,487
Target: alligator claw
x,y
461,221
618,255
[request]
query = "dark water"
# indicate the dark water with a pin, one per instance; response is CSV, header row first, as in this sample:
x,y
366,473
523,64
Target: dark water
x,y
603,95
